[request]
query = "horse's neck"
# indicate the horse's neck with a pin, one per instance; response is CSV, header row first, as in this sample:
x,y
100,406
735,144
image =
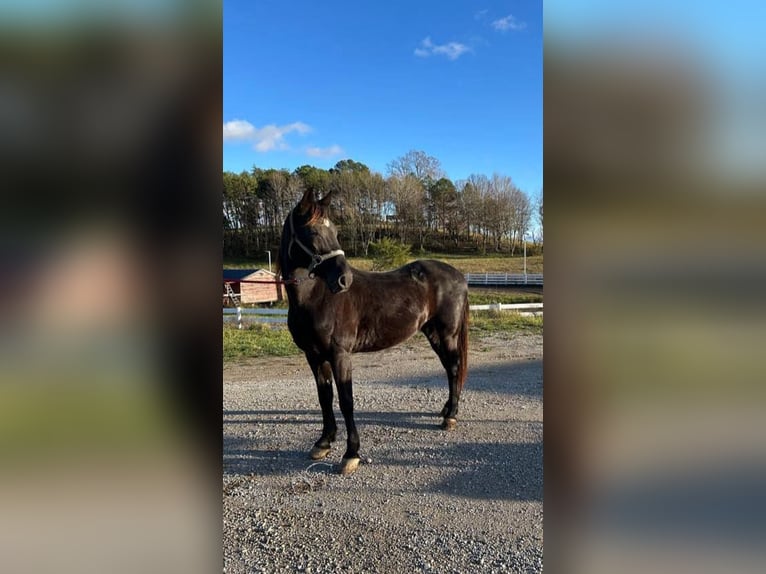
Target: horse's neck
x,y
305,290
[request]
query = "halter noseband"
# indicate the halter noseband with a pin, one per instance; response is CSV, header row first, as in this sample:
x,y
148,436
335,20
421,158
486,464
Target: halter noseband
x,y
316,258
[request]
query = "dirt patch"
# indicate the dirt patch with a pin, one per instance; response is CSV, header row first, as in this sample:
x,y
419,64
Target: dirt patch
x,y
424,500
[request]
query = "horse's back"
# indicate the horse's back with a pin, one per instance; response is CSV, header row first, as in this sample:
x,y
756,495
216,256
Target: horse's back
x,y
447,290
444,282
429,277
384,309
437,271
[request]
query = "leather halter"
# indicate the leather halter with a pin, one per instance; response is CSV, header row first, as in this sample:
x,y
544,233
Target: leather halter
x,y
316,258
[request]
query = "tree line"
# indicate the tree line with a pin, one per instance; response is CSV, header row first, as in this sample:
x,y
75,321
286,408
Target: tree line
x,y
414,203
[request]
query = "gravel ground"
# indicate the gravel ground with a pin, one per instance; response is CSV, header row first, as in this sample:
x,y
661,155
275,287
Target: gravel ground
x,y
424,500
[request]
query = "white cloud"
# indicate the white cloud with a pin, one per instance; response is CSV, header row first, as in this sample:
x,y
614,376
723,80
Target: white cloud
x,y
508,23
453,50
331,151
480,14
267,138
238,130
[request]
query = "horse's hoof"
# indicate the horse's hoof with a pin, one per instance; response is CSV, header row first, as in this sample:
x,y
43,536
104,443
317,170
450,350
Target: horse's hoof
x,y
318,453
349,465
449,424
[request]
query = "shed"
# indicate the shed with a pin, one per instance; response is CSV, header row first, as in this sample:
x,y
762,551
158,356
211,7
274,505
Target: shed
x,y
252,292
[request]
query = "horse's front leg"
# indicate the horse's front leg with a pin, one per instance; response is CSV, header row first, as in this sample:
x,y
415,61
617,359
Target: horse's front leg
x,y
323,376
341,366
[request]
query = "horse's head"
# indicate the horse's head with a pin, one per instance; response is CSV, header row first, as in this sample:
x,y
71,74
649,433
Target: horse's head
x,y
312,243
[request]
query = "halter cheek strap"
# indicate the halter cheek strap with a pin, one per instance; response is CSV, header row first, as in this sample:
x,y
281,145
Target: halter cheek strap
x,y
316,258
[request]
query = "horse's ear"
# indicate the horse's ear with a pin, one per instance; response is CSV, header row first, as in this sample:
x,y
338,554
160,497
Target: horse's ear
x,y
307,200
325,201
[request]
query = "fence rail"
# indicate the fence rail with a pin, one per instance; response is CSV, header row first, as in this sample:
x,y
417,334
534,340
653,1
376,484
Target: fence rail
x,y
504,279
508,307
280,315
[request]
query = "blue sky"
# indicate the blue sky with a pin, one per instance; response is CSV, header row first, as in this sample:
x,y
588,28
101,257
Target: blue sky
x,y
310,82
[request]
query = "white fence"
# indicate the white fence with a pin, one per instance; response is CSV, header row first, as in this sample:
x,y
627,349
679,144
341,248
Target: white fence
x,y
504,279
260,315
519,307
280,315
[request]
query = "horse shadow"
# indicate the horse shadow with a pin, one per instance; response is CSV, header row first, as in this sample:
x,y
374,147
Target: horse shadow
x,y
487,471
272,416
481,470
241,457
519,377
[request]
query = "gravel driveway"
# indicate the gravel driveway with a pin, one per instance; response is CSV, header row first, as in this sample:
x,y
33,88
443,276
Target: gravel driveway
x,y
424,500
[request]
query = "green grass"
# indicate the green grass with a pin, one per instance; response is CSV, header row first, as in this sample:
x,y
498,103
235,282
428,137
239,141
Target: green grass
x,y
480,296
260,340
465,263
257,340
244,263
483,322
472,264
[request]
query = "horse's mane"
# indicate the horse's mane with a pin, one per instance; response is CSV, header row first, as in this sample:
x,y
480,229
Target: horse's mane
x,y
315,212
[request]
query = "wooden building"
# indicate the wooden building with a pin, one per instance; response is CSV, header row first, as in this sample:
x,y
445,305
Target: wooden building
x,y
247,293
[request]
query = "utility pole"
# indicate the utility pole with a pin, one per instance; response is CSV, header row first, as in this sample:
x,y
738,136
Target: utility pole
x,y
524,239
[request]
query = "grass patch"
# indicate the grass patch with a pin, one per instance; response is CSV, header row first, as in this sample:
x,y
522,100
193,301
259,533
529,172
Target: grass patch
x,y
466,263
494,263
257,340
480,296
471,264
483,322
254,263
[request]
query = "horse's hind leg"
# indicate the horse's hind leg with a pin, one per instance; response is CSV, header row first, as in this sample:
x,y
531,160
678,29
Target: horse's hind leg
x,y
446,347
450,358
323,376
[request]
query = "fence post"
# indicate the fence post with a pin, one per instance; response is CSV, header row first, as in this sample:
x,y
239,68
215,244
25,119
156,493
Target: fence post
x,y
239,317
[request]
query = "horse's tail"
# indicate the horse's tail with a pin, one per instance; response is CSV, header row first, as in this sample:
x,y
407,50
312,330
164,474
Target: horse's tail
x,y
462,369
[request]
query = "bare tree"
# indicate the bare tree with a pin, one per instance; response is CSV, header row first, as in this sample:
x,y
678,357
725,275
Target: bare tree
x,y
417,164
521,208
540,213
370,206
345,187
408,198
479,208
469,205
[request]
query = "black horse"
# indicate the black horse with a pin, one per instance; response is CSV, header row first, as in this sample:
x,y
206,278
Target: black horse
x,y
336,310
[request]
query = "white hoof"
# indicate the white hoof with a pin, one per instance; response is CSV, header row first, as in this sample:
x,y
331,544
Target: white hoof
x,y
349,465
318,453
